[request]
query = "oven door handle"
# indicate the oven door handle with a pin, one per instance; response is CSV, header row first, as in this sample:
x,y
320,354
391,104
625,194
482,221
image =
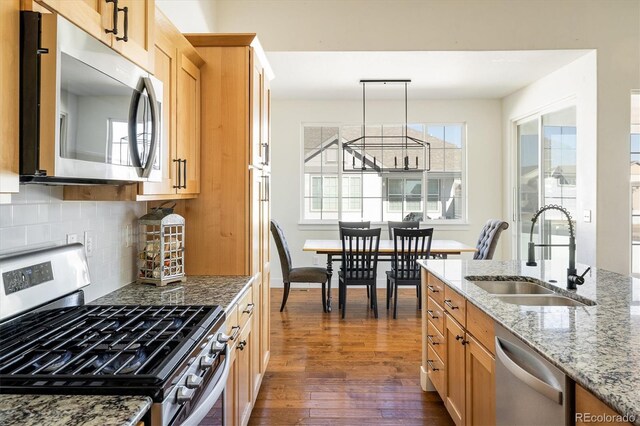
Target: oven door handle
x,y
207,404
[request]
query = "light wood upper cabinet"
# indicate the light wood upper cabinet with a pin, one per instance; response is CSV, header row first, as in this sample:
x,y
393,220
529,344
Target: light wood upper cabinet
x,y
139,43
188,125
9,87
98,19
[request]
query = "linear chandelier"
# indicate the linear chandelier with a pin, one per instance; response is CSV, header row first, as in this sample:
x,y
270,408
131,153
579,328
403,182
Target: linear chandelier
x,y
385,153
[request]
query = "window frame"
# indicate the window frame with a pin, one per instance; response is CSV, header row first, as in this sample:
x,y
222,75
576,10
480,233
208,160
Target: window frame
x,y
320,223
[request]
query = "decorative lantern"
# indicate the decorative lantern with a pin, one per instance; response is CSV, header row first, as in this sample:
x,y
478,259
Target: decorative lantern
x,y
161,247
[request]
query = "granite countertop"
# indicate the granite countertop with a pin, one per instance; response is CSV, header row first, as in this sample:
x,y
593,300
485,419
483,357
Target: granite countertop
x,y
104,410
220,290
72,410
597,346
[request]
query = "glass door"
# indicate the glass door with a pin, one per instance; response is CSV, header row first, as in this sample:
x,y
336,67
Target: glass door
x,y
546,175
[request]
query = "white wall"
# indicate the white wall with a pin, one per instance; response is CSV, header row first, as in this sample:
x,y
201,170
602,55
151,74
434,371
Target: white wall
x,y
38,217
575,82
610,27
191,16
484,158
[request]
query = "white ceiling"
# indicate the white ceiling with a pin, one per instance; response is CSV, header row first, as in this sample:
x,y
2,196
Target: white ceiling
x,y
434,75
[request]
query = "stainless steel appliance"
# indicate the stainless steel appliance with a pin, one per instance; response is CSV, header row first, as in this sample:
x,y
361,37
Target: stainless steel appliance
x,y
87,114
51,343
529,390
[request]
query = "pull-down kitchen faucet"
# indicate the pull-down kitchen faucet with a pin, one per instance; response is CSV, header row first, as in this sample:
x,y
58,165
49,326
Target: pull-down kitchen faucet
x,y
572,274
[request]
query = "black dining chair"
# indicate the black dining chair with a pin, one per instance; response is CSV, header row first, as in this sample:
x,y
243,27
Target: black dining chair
x,y
405,224
353,225
488,240
409,246
359,264
309,274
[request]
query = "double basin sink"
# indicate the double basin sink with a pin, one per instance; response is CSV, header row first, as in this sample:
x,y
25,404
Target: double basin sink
x,y
526,293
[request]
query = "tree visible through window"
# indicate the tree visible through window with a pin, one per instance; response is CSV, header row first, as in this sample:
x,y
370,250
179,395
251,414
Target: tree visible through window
x,y
331,194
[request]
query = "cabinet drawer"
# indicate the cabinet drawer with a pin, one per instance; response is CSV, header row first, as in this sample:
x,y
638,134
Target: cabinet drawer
x,y
435,340
481,326
435,289
245,308
455,304
435,314
436,372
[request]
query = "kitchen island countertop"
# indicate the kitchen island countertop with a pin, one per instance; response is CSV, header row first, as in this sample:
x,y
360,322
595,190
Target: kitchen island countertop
x,y
597,346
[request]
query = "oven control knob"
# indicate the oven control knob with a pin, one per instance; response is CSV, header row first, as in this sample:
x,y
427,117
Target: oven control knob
x,y
223,338
183,395
193,381
206,362
216,348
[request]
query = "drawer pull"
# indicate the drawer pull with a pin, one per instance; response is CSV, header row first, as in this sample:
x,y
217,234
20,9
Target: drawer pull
x,y
430,339
464,342
432,289
431,314
430,364
249,309
449,304
242,344
236,331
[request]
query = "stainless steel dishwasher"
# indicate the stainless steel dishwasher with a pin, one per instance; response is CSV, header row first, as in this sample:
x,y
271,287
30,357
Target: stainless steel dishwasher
x,y
529,389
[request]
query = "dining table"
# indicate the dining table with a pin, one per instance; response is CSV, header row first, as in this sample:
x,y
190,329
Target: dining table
x,y
333,249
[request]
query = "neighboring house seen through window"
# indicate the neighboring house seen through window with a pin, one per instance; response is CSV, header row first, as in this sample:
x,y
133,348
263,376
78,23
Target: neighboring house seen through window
x,y
331,193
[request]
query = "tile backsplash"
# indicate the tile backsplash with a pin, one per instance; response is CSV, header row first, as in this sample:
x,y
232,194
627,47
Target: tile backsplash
x,y
38,217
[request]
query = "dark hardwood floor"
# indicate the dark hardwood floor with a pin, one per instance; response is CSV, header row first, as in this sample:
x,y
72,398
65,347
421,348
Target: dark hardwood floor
x,y
356,371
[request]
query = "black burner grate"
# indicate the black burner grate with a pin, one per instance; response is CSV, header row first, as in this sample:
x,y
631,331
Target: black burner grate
x,y
101,345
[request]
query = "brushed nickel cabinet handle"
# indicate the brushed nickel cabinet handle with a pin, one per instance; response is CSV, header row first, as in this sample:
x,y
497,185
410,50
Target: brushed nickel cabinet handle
x,y
449,304
432,289
431,314
431,340
430,364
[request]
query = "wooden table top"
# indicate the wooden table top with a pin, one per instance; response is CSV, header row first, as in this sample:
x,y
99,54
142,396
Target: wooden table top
x,y
386,246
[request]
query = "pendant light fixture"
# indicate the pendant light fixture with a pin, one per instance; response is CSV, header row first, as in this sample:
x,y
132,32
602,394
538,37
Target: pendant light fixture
x,y
385,153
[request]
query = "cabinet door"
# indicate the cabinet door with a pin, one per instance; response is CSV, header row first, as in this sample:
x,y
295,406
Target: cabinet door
x,y
256,319
245,375
265,321
93,16
139,30
257,110
480,384
188,125
455,362
10,71
231,394
165,71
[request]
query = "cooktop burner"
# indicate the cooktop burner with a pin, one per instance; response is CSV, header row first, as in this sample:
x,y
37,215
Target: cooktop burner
x,y
100,346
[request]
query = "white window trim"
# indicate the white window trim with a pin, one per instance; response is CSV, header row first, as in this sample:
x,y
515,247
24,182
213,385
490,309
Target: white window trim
x,y
442,224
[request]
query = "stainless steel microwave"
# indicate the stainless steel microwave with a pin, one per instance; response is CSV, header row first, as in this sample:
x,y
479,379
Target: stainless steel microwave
x,y
87,114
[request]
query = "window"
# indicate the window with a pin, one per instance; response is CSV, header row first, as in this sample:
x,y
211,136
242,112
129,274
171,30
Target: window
x,y
331,194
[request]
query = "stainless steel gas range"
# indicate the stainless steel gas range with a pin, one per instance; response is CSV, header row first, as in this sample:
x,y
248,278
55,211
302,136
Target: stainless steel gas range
x,y
51,343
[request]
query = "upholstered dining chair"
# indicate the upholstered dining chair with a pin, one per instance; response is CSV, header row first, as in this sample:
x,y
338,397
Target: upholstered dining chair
x,y
405,224
309,274
409,246
488,239
359,264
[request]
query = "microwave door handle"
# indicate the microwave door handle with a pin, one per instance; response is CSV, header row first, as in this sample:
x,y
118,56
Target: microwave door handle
x,y
155,118
133,128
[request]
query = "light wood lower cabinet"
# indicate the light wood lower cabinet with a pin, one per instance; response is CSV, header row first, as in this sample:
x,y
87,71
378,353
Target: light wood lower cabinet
x,y
590,410
480,392
455,390
460,365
